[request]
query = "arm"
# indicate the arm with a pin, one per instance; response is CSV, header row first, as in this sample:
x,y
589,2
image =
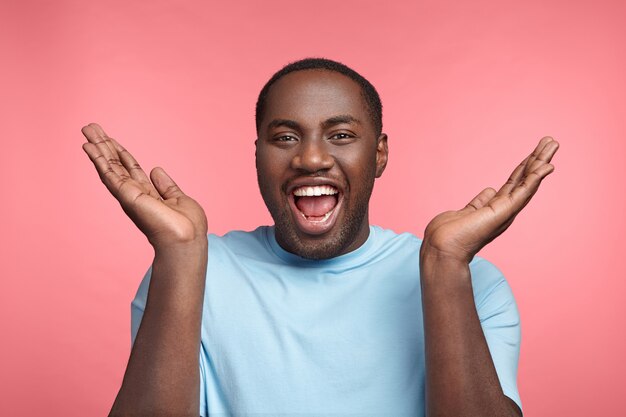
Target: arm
x,y
461,379
162,376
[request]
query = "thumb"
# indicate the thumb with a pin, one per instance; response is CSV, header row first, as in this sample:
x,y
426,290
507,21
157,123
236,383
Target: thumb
x,y
164,184
481,199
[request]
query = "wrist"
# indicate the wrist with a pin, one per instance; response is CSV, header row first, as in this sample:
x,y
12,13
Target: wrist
x,y
432,255
189,250
448,251
443,269
182,265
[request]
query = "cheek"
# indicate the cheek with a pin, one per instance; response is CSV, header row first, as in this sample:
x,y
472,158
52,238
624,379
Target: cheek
x,y
259,158
272,160
270,177
264,166
359,166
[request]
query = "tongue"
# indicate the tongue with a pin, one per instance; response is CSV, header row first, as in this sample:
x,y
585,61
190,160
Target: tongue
x,y
316,206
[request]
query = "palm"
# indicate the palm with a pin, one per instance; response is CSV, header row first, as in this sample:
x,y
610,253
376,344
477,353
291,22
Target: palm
x,y
462,233
156,205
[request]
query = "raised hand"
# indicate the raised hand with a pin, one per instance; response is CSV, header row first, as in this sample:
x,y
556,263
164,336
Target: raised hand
x,y
156,205
461,234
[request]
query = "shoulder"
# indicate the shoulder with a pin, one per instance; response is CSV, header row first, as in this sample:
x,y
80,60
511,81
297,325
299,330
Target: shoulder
x,y
387,238
238,237
239,242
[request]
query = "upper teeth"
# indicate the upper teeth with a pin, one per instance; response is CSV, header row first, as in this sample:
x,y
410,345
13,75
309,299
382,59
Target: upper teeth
x,y
313,191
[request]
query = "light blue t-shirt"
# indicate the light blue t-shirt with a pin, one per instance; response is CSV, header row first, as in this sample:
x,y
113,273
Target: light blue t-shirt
x,y
287,336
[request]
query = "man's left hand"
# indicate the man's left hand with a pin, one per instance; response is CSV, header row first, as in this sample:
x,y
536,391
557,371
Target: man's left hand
x,y
459,235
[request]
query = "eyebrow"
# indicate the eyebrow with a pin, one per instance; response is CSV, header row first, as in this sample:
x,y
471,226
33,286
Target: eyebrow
x,y
332,121
341,119
284,122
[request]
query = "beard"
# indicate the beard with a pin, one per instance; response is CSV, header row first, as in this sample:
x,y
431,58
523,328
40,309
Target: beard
x,y
346,229
347,232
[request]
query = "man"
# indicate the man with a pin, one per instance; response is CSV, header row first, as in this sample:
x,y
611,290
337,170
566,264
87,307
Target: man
x,y
321,314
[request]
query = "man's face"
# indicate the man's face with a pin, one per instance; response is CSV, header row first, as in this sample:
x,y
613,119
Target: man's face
x,y
317,156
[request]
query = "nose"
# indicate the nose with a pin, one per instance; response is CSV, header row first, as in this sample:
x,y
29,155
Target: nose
x,y
312,156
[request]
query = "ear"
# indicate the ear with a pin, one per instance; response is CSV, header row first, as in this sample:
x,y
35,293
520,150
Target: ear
x,y
382,154
256,146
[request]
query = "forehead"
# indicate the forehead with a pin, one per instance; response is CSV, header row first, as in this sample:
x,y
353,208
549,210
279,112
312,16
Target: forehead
x,y
313,96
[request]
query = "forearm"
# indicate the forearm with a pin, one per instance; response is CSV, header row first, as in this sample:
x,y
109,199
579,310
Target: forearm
x,y
162,376
461,379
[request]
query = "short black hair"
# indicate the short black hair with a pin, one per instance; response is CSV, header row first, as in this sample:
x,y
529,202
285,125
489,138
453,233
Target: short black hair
x,y
375,107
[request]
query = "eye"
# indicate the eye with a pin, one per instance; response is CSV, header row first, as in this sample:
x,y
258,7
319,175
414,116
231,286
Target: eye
x,y
284,138
341,136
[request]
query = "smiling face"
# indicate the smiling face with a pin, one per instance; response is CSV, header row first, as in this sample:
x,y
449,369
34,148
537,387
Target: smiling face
x,y
317,156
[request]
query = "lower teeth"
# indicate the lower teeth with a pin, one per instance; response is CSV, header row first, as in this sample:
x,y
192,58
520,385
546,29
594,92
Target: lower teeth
x,y
323,219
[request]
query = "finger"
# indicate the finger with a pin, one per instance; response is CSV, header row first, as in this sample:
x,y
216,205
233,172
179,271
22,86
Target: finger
x,y
481,199
506,207
134,169
514,179
165,185
95,134
545,156
106,140
542,154
535,153
98,129
529,186
108,176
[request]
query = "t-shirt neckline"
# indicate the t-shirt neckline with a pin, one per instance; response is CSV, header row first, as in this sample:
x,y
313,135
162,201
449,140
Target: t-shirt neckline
x,y
293,259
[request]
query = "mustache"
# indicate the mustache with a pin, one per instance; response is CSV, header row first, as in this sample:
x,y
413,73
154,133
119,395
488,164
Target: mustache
x,y
313,179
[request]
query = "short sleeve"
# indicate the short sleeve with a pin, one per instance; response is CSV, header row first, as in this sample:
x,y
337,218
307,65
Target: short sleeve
x,y
499,318
204,402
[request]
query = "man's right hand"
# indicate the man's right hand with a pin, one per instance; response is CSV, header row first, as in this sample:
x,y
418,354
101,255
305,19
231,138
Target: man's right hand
x,y
156,205
162,376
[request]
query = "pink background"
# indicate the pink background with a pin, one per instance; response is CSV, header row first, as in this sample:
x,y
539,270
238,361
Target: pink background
x,y
468,89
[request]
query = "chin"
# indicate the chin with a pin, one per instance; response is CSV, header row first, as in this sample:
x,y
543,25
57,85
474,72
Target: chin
x,y
327,246
316,250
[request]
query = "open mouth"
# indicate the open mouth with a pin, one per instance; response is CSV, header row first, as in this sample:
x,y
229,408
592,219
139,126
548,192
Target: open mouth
x,y
315,207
